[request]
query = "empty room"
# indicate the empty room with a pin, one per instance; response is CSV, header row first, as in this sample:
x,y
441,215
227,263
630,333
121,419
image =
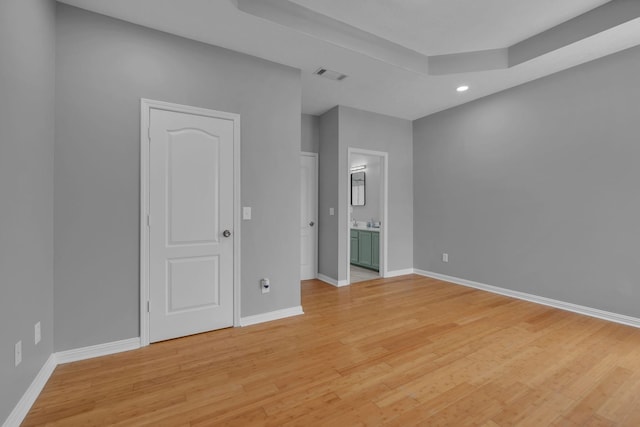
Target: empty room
x,y
319,212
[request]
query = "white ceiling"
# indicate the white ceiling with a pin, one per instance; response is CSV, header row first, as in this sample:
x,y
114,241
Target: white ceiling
x,y
437,27
430,27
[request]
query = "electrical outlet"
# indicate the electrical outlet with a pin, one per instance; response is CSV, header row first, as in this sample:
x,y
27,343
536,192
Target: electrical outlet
x,y
445,257
18,352
37,333
265,285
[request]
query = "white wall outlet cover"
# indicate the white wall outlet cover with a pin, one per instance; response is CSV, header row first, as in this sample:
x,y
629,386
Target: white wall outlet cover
x,y
37,333
18,352
246,212
265,285
445,257
331,211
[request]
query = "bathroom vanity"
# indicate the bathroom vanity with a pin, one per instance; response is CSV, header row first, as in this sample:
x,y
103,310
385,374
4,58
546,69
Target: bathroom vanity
x,y
365,247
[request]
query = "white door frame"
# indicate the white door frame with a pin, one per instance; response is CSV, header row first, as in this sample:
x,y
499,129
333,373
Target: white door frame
x,y
146,105
315,191
384,230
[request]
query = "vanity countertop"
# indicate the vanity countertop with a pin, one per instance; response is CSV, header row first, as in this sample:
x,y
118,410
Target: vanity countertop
x,y
364,227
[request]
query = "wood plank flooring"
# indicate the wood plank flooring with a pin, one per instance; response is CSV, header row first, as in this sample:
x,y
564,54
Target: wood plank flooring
x,y
399,352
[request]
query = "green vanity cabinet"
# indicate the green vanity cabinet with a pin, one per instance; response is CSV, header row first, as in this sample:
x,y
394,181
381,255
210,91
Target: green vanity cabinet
x,y
354,246
375,250
365,249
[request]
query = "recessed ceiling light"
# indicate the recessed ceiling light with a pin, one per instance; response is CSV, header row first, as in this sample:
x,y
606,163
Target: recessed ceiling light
x,y
462,88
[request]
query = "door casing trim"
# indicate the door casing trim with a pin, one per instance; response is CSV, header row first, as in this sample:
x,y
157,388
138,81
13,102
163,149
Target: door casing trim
x,y
384,227
146,105
315,214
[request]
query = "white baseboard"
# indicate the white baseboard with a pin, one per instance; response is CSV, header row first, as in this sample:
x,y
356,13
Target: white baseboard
x,y
396,273
272,315
97,350
587,311
29,397
332,281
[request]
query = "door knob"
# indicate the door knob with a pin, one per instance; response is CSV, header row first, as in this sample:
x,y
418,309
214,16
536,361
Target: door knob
x,y
226,233
312,223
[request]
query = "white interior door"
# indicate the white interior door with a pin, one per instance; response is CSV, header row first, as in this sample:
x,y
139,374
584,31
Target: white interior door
x,y
308,216
190,224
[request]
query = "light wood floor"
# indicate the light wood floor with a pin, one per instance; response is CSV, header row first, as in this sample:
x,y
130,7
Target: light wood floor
x,y
399,352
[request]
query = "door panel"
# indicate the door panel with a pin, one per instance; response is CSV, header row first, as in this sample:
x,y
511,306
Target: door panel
x,y
375,250
193,216
354,249
190,205
193,283
308,221
364,247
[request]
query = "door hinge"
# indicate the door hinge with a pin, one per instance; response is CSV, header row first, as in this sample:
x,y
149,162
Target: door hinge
x,y
148,221
148,307
149,133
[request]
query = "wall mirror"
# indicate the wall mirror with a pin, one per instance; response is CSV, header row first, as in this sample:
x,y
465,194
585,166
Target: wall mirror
x,y
357,189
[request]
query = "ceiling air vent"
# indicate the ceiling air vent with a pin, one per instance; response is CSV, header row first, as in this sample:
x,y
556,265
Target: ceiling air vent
x,y
330,74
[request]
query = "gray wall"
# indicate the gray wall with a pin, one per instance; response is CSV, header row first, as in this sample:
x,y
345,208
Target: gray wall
x,y
104,66
27,33
310,141
362,129
328,150
536,189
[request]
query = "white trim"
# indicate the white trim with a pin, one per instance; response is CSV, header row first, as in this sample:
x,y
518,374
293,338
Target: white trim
x,y
332,281
315,156
272,315
396,273
20,411
97,350
237,218
144,231
25,403
384,227
580,309
145,110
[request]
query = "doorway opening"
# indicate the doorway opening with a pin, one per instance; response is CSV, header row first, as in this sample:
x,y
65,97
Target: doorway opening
x,y
367,214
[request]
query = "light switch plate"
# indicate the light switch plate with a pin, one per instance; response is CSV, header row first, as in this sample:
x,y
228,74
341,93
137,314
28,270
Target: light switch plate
x,y
246,212
18,352
37,333
331,211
